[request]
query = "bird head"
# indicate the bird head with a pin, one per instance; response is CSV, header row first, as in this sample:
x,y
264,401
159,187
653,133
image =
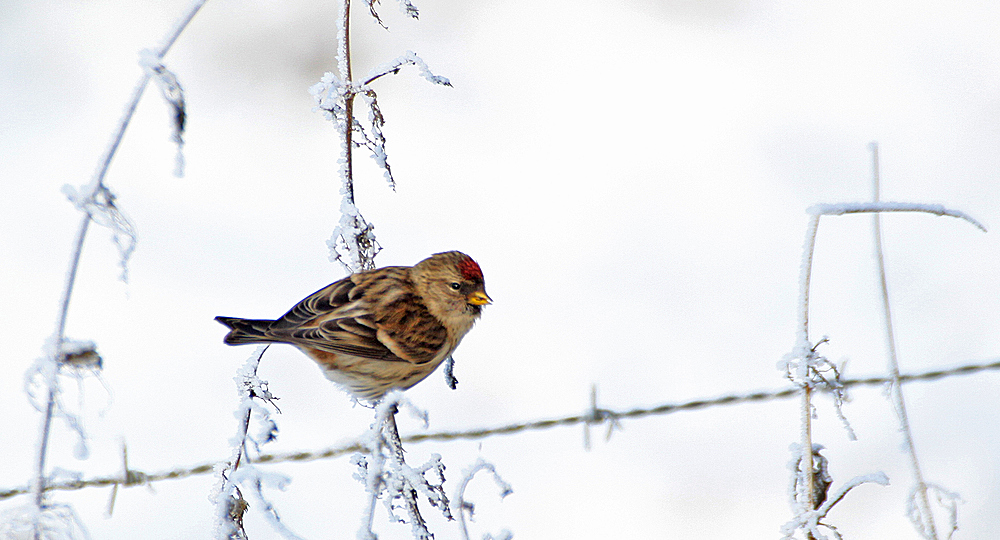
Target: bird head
x,y
452,285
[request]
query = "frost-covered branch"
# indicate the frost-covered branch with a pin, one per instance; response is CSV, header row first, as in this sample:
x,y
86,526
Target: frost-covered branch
x,y
97,203
239,470
384,472
409,58
463,507
810,509
840,209
352,242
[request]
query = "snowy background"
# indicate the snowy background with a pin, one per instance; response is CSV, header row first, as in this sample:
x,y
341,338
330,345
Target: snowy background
x,y
632,175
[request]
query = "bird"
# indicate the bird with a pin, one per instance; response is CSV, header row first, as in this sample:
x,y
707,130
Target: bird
x,y
380,329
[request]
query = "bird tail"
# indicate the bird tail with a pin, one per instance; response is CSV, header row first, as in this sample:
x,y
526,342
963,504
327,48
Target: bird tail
x,y
243,331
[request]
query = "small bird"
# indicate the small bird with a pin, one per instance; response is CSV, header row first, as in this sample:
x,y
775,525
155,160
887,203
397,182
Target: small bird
x,y
380,329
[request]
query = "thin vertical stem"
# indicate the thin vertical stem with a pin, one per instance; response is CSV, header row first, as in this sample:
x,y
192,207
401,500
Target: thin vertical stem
x,y
807,454
896,388
805,353
344,63
52,359
805,277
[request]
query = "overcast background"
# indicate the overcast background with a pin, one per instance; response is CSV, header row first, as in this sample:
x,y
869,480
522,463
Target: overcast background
x,y
632,175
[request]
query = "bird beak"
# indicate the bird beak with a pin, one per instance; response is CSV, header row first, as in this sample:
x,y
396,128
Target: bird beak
x,y
479,298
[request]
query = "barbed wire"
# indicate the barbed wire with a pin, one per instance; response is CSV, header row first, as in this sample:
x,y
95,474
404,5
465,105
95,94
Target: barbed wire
x,y
594,416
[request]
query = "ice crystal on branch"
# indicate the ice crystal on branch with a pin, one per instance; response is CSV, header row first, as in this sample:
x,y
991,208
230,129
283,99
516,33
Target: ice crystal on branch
x,y
946,499
806,368
172,92
74,358
100,206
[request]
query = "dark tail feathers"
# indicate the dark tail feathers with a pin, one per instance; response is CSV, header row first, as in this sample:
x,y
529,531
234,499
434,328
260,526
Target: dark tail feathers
x,y
243,331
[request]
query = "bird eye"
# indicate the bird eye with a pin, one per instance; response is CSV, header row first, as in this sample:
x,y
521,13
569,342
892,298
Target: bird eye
x,y
455,286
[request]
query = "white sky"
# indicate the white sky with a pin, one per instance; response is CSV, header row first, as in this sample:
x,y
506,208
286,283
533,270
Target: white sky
x,y
632,176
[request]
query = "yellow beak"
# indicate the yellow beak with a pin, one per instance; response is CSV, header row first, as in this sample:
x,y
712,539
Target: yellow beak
x,y
479,298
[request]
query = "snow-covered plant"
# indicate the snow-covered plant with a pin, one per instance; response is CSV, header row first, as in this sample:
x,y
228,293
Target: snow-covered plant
x,y
383,470
353,242
238,473
98,204
810,507
811,371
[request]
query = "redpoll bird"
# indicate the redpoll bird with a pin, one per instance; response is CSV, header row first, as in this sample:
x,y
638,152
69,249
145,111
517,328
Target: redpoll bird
x,y
381,329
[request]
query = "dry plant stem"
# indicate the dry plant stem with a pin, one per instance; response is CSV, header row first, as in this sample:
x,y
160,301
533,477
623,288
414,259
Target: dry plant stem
x,y
807,455
396,446
806,462
806,278
896,388
95,185
347,151
39,483
344,63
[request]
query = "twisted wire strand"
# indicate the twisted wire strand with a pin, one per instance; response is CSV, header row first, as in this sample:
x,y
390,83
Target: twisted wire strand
x,y
594,416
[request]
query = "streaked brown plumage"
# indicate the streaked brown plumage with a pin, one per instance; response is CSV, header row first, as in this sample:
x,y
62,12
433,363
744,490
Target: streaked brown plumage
x,y
381,329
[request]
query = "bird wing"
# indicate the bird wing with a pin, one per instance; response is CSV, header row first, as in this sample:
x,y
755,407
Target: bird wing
x,y
409,330
381,319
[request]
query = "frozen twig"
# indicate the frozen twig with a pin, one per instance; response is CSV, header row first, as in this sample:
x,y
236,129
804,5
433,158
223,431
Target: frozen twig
x,y
239,470
409,58
881,207
463,507
809,514
405,6
352,242
383,470
449,373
